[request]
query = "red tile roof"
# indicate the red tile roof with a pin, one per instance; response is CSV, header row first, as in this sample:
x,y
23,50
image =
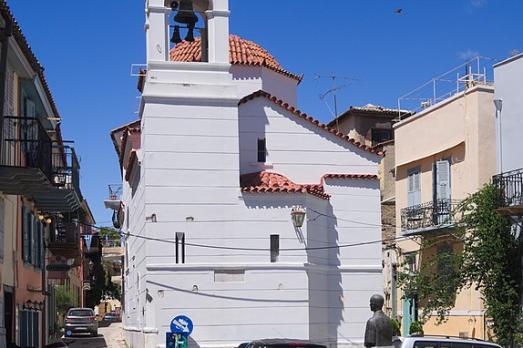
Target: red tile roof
x,y
351,176
21,40
241,52
273,182
312,120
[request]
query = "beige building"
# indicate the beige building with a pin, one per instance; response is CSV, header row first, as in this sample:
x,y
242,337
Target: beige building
x,y
372,125
443,154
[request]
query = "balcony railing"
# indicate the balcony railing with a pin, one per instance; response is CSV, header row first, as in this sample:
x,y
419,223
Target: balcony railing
x,y
64,237
25,155
429,216
510,185
66,169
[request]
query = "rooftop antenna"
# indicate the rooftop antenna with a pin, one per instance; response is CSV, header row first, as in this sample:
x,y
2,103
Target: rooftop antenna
x,y
333,90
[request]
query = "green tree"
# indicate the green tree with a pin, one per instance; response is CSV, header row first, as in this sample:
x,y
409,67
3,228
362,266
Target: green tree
x,y
64,300
490,261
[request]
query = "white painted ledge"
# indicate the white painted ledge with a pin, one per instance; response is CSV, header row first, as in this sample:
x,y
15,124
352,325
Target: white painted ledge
x,y
263,266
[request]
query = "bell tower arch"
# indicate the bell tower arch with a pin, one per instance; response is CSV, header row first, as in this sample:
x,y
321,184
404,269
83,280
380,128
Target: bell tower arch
x,y
170,22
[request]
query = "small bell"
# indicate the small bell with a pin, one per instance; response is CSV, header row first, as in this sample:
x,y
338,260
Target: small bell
x,y
176,38
186,13
190,34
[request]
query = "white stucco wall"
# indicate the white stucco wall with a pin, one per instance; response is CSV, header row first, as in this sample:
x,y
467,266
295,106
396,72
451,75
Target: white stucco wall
x,y
507,79
196,142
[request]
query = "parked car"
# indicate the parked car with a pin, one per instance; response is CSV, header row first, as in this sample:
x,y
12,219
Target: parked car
x,y
111,316
80,320
444,342
282,343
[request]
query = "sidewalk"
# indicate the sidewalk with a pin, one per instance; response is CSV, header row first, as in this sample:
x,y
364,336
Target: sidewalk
x,y
113,335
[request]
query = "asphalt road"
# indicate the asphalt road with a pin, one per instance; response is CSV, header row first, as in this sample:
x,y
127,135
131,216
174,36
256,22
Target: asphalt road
x,y
108,337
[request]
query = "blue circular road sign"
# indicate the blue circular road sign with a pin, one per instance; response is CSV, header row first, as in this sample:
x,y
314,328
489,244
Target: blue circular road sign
x,y
181,324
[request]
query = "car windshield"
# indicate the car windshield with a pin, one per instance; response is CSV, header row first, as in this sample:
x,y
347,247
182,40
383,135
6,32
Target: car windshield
x,y
81,313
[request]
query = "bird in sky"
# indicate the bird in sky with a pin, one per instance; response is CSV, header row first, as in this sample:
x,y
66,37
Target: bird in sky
x,y
398,10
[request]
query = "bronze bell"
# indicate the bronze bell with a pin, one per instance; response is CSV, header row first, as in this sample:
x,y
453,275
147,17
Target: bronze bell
x,y
190,34
186,13
176,39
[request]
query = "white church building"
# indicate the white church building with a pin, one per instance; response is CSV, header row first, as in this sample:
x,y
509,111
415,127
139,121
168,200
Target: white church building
x,y
213,172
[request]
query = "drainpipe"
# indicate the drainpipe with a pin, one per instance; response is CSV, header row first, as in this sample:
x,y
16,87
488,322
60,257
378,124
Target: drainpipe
x,y
5,33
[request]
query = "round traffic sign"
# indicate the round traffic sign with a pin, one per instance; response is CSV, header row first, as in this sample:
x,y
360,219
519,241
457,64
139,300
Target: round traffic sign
x,y
181,324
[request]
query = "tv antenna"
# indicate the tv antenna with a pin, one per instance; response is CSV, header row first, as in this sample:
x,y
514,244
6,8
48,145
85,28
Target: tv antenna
x,y
333,91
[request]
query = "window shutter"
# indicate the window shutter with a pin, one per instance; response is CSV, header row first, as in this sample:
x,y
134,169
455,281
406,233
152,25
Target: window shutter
x,y
443,180
414,187
25,234
2,228
32,238
38,261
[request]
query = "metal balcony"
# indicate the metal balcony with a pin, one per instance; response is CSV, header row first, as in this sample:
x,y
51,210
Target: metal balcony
x,y
510,185
25,156
429,216
64,238
64,194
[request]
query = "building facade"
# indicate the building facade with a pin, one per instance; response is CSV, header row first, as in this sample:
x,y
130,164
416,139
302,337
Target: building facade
x,y
372,126
214,170
442,154
39,193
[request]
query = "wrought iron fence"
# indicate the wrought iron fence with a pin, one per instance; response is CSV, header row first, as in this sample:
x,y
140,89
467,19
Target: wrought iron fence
x,y
510,185
430,215
25,143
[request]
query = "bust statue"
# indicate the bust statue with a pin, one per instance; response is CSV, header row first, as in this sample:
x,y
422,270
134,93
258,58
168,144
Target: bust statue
x,y
379,330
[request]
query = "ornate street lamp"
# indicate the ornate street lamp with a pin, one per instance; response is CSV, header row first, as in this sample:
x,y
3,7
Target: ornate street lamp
x,y
298,216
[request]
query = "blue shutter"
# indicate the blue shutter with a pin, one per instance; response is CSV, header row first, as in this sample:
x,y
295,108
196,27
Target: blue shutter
x,y
25,234
33,239
443,180
38,261
414,187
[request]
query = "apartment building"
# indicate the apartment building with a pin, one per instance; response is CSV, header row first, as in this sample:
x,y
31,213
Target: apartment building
x,y
39,193
443,153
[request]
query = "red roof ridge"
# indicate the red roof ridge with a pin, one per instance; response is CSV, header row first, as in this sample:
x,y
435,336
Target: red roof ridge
x,y
349,176
295,111
265,181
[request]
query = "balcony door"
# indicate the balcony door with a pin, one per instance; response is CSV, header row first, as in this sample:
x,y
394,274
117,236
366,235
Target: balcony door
x,y
29,133
441,192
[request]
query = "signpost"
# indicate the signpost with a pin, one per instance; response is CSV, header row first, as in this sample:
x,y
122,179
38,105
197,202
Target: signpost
x,y
181,328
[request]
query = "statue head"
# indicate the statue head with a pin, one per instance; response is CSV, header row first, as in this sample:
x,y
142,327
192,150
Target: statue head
x,y
376,302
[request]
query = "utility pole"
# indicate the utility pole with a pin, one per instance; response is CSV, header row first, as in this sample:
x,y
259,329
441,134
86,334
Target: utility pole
x,y
333,90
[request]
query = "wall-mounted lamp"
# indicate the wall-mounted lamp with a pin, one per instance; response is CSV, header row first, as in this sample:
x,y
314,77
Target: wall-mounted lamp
x,y
189,219
195,288
298,216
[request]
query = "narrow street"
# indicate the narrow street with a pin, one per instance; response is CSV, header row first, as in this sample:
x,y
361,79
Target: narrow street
x,y
110,336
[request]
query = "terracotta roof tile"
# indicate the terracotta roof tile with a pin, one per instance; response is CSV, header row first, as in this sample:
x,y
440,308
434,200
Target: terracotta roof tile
x,y
303,115
242,52
351,176
273,182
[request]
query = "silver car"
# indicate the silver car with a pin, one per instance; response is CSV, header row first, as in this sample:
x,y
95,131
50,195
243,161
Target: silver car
x,y
429,341
81,320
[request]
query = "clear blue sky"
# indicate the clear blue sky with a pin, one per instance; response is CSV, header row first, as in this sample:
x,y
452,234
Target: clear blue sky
x,y
87,49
